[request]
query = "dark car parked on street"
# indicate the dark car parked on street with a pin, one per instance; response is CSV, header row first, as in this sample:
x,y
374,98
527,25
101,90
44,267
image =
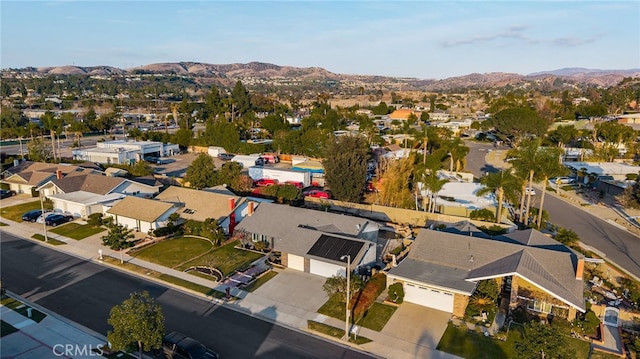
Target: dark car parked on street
x,y
178,346
31,216
6,193
56,219
226,156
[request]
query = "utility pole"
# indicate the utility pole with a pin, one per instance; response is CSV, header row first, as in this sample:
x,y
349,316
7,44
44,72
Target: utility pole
x,y
347,312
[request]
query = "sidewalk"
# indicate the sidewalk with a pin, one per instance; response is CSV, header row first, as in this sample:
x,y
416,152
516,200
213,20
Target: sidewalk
x,y
285,314
52,337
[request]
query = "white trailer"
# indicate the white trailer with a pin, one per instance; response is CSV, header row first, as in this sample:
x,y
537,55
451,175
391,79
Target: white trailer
x,y
214,151
248,161
281,174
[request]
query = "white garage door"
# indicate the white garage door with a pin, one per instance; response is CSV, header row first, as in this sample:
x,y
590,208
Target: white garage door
x,y
325,269
428,297
295,262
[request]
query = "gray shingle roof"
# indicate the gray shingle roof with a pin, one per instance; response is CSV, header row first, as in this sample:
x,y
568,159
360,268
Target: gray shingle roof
x,y
447,259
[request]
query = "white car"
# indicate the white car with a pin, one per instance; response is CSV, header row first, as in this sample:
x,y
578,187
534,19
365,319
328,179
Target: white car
x,y
562,180
530,191
42,217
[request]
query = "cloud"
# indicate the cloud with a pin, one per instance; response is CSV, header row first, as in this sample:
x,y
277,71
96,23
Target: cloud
x,y
571,41
513,32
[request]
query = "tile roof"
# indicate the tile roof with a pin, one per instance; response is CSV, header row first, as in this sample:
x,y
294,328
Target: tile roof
x,y
88,182
147,210
199,205
448,259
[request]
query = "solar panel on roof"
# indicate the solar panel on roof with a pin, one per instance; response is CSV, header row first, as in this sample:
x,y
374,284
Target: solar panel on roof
x,y
333,248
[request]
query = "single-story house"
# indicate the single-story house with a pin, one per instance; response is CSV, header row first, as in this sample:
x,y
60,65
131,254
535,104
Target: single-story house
x,y
442,270
312,241
459,198
99,184
199,205
613,170
141,214
83,204
28,175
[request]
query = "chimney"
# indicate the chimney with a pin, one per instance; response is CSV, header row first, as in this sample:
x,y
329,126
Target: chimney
x,y
250,208
232,204
580,268
59,174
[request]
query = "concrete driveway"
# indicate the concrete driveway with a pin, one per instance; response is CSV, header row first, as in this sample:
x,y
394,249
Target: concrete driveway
x,y
417,324
295,288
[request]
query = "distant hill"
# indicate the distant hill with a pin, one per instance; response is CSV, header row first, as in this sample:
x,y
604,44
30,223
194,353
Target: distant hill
x,y
229,73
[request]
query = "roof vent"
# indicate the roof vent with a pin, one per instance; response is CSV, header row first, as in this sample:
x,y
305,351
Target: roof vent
x,y
471,258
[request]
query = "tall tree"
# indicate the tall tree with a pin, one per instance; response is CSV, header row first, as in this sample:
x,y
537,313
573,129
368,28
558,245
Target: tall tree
x,y
39,150
519,123
526,162
241,100
138,323
496,182
345,167
550,165
118,238
202,172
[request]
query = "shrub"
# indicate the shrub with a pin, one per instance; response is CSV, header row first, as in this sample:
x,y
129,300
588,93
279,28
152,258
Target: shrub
x,y
95,219
493,230
165,231
364,299
396,293
483,215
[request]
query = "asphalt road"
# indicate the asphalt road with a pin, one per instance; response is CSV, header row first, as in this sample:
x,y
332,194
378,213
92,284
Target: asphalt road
x,y
85,293
619,246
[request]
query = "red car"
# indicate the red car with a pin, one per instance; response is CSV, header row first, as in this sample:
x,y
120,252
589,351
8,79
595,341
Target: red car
x,y
295,183
316,193
264,182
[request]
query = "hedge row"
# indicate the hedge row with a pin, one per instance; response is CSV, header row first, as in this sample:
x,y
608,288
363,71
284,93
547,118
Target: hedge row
x,y
364,299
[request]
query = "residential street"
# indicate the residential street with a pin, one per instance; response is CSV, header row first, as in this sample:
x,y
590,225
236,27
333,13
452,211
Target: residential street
x,y
85,293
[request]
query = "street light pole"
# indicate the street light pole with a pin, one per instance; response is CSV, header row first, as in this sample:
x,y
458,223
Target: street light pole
x,y
44,222
346,321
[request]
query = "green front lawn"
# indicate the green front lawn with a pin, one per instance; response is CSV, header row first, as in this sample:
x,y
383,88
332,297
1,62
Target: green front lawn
x,y
375,319
6,328
175,251
471,344
77,231
14,213
377,316
226,259
467,344
21,308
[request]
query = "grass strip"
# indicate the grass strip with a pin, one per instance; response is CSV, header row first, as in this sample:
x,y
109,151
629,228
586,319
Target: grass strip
x,y
14,213
21,308
6,328
335,332
52,241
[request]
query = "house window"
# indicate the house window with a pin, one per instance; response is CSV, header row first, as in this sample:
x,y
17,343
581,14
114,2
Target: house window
x,y
539,306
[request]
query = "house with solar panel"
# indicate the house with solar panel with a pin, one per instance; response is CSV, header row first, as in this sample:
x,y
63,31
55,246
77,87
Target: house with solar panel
x,y
312,241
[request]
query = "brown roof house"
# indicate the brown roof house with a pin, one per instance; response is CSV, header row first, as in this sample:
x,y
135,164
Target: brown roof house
x,y
312,241
199,205
28,175
141,214
84,194
534,271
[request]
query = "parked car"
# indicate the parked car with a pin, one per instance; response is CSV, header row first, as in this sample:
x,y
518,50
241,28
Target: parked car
x,y
6,193
316,193
31,216
56,219
264,182
530,191
43,217
225,156
563,180
295,184
178,346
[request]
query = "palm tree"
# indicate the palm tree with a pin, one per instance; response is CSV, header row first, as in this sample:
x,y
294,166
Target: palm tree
x,y
526,161
497,182
457,152
549,166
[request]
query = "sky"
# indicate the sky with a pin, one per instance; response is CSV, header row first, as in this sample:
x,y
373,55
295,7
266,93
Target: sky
x,y
420,39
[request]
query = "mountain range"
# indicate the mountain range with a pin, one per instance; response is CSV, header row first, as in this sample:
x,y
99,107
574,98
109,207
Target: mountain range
x,y
229,73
